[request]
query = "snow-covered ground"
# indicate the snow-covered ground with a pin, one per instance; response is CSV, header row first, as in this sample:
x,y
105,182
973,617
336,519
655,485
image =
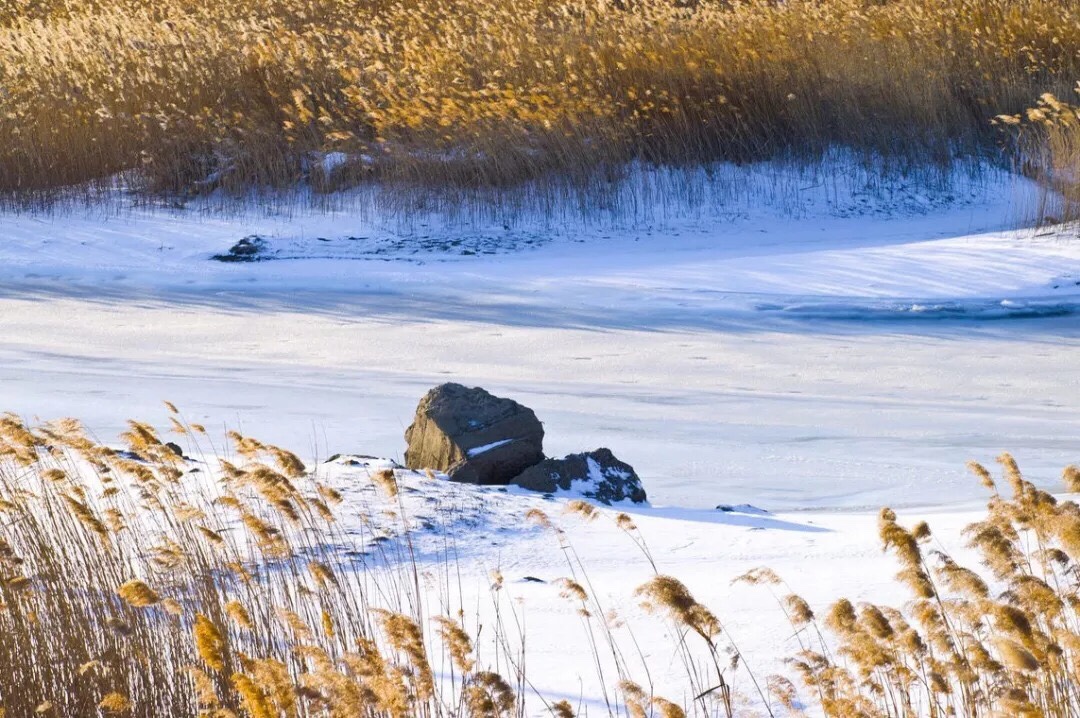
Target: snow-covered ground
x,y
821,555
802,352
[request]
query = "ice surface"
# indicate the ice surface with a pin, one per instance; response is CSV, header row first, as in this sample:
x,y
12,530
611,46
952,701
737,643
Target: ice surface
x,y
829,350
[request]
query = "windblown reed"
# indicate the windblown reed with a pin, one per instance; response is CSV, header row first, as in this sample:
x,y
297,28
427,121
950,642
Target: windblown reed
x,y
129,587
1003,639
189,96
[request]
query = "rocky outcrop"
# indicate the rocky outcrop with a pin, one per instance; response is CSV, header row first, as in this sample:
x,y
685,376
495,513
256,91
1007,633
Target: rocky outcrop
x,y
473,436
597,475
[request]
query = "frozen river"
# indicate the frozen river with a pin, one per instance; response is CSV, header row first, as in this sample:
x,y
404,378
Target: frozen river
x,y
816,361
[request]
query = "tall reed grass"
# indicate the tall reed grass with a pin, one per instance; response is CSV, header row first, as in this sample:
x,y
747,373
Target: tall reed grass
x,y
138,582
189,96
1049,141
132,586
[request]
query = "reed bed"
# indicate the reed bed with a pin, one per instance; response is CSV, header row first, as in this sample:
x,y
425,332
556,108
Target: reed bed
x,y
190,97
133,586
998,639
135,582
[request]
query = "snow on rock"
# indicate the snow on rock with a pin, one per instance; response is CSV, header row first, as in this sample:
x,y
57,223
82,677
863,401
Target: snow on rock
x,y
476,451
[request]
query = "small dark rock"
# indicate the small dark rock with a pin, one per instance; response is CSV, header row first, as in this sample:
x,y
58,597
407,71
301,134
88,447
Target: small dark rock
x,y
359,460
741,509
247,249
174,447
603,477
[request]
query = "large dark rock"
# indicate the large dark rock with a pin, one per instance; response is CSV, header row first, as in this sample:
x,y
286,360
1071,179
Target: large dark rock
x,y
473,436
602,477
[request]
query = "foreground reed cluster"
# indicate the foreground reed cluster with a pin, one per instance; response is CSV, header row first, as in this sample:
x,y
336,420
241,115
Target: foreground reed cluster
x,y
1002,639
138,582
131,585
188,96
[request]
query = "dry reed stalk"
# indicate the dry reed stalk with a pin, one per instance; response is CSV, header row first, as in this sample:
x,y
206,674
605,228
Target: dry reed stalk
x,y
466,96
